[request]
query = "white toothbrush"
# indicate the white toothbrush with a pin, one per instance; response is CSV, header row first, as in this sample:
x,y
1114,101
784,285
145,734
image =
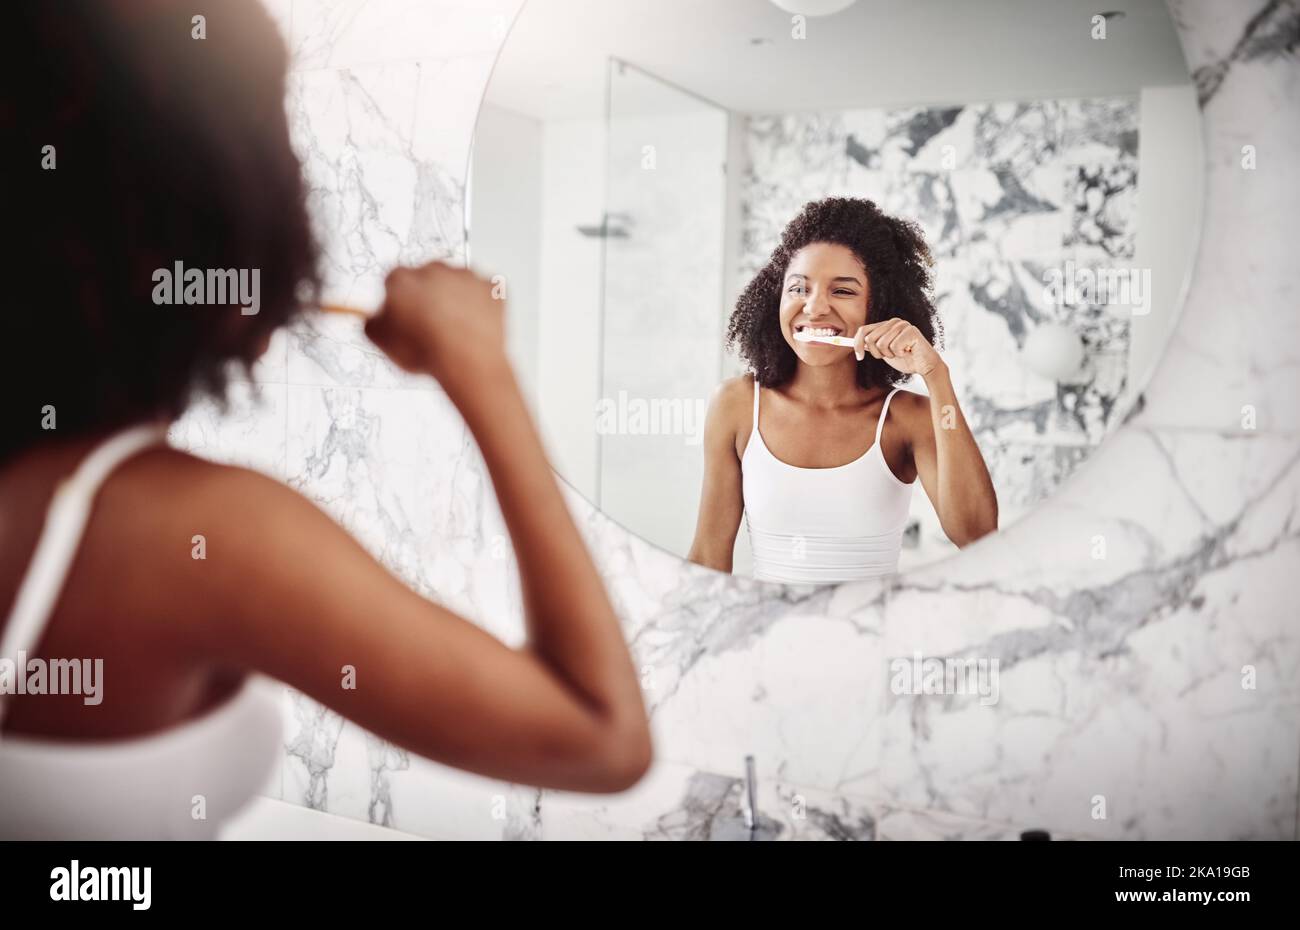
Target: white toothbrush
x,y
804,336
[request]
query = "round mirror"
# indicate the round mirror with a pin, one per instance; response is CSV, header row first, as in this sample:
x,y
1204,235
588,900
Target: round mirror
x,y
697,208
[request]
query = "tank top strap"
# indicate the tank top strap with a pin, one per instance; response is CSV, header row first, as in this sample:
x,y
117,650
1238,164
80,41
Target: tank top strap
x,y
756,389
65,521
880,424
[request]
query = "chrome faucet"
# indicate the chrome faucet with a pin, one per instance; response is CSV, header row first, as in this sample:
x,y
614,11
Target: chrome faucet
x,y
751,797
743,822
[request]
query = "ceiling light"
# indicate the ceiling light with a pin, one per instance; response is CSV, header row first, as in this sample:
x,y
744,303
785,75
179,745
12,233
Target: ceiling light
x,y
814,7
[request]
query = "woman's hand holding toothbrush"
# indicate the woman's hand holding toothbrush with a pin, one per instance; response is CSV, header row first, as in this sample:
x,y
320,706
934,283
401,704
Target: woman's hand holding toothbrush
x,y
442,321
900,344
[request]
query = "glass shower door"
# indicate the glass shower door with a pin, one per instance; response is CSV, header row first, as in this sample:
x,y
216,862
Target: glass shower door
x,y
662,292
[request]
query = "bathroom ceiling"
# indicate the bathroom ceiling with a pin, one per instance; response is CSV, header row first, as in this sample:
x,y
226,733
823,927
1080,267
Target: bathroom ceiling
x,y
740,54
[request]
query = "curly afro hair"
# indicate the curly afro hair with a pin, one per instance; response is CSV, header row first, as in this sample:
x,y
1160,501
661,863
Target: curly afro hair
x,y
898,265
169,150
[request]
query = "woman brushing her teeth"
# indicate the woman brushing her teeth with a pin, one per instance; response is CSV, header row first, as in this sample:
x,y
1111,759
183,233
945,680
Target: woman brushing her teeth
x,y
818,446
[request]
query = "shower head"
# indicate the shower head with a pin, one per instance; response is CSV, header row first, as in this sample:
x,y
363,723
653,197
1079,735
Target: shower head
x,y
612,226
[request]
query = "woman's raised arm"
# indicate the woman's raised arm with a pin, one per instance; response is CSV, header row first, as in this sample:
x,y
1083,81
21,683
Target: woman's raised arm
x,y
285,591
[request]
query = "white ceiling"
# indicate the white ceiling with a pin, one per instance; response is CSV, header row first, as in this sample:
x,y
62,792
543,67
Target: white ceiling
x,y
876,53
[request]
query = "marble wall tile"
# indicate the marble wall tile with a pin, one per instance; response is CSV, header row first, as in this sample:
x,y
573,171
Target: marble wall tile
x,y
788,147
1018,135
397,469
679,802
1120,675
1219,39
1233,355
334,34
808,691
989,310
1005,215
930,200
394,468
1099,129
273,365
315,745
1100,209
918,138
334,766
443,803
385,154
249,432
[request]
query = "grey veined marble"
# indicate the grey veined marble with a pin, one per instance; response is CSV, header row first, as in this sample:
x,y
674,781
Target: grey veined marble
x,y
1142,622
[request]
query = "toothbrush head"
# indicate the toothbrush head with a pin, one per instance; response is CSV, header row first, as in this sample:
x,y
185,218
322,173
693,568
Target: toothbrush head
x,y
344,310
805,336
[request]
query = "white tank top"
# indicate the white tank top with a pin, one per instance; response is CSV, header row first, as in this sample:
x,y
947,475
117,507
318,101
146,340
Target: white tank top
x,y
136,788
823,525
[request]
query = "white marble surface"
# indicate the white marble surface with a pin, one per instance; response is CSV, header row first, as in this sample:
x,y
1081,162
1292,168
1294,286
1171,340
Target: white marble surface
x,y
266,819
1120,677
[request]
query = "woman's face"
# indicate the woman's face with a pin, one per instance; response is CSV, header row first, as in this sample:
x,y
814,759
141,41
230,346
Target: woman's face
x,y
825,291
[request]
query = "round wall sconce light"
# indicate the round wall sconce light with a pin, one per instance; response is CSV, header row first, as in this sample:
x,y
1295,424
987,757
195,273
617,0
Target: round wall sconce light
x,y
1054,352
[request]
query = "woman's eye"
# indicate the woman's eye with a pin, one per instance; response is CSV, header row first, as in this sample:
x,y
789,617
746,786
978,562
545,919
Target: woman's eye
x,y
796,289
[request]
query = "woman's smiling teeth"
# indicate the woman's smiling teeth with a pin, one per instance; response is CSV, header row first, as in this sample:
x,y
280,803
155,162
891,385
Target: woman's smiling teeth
x,y
817,330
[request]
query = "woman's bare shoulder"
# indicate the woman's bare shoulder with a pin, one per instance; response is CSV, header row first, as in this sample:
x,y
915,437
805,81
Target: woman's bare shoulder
x,y
732,402
203,525
171,480
912,411
734,394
